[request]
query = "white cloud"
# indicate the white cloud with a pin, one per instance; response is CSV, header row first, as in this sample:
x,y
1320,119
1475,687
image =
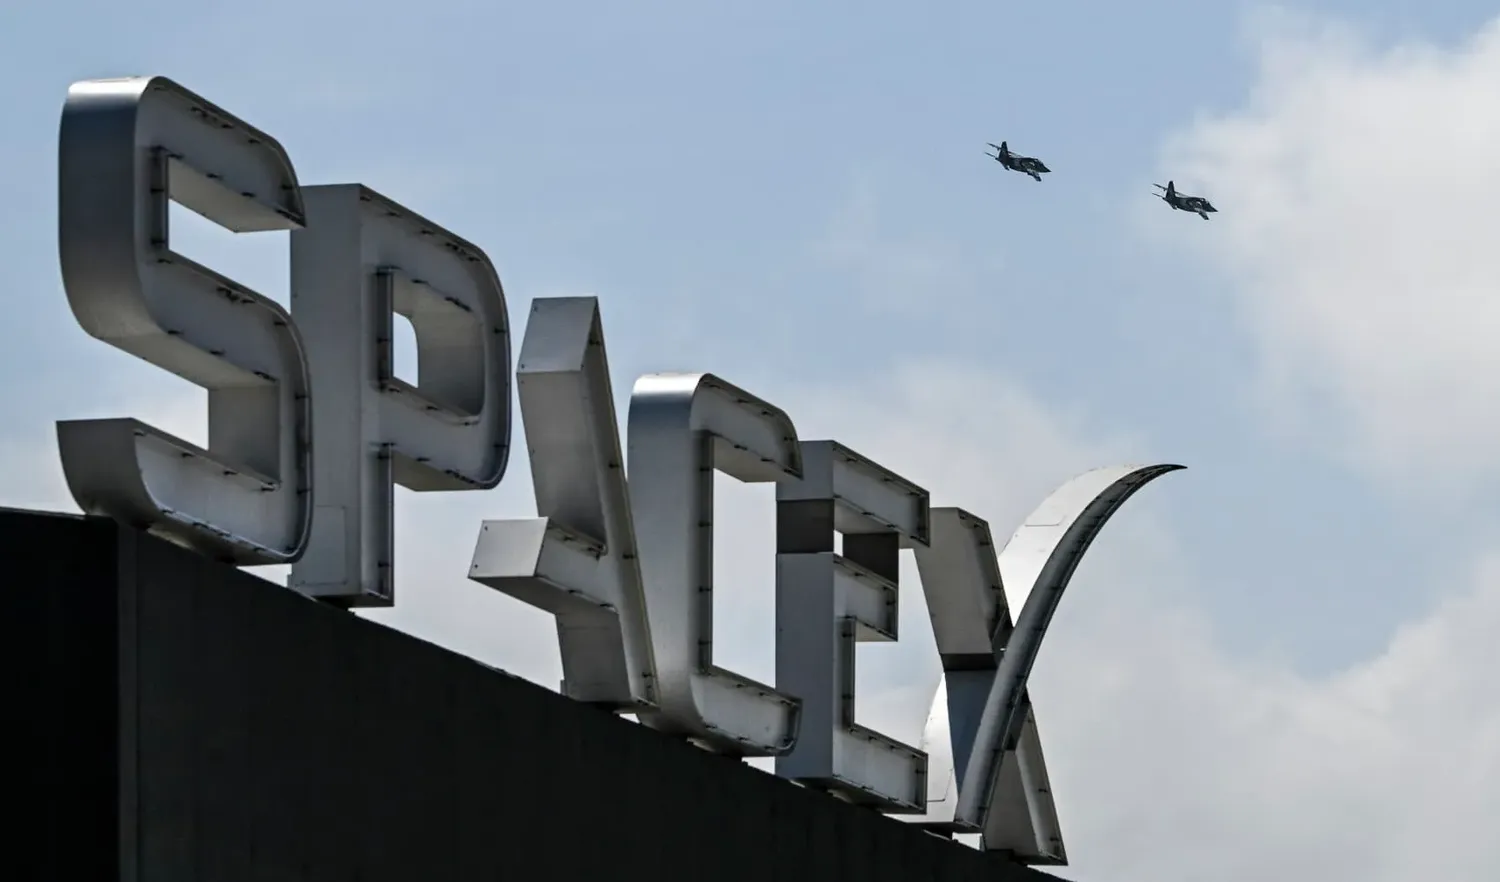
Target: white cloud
x,y
1356,188
1181,764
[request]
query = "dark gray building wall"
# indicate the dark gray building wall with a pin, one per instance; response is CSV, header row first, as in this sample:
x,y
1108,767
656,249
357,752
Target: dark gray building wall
x,y
182,720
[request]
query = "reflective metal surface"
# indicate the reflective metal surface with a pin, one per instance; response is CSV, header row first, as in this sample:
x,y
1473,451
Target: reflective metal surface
x,y
361,259
126,148
579,559
682,428
988,773
827,602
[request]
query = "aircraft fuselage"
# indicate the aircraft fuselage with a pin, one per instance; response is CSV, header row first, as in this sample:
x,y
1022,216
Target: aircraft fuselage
x,y
1023,164
1195,204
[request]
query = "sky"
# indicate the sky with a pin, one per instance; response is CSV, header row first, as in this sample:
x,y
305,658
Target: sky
x,y
1275,661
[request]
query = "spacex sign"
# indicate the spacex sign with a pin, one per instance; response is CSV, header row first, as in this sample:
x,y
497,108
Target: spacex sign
x,y
310,429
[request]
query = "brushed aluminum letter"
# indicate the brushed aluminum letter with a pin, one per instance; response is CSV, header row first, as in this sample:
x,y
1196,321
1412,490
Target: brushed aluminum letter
x,y
682,428
127,148
972,623
361,259
992,779
825,602
578,559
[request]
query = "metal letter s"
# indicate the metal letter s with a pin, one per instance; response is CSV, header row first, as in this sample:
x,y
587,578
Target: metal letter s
x,y
126,148
825,602
362,258
578,560
682,428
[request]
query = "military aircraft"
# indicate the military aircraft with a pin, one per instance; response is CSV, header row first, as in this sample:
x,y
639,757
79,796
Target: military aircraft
x,y
1028,165
1202,207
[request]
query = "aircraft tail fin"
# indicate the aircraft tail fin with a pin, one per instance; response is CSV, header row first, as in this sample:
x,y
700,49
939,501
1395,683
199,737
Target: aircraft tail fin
x,y
1171,189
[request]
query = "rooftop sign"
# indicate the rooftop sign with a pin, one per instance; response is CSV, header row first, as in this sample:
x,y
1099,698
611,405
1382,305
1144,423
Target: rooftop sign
x,y
310,429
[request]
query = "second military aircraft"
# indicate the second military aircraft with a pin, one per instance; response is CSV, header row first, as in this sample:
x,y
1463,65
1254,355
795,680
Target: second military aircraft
x,y
1028,165
1197,204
